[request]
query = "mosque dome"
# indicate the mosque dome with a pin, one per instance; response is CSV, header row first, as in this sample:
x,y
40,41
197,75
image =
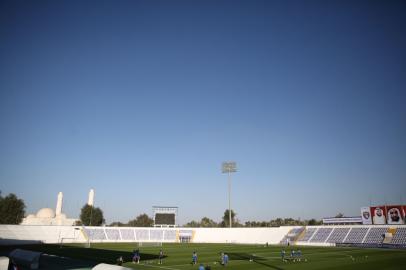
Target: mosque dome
x,y
46,213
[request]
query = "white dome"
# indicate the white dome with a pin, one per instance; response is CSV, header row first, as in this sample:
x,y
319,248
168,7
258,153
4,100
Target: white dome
x,y
31,216
46,213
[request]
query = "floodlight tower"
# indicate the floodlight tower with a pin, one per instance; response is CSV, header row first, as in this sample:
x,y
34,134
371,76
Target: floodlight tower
x,y
229,167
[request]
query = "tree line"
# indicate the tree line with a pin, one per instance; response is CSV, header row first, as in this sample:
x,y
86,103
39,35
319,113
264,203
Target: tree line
x,y
12,211
205,222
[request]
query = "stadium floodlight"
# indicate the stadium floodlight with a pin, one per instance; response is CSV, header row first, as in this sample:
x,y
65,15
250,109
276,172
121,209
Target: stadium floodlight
x,y
229,167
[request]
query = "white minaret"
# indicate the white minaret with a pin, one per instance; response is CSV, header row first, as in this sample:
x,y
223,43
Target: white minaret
x,y
59,201
91,198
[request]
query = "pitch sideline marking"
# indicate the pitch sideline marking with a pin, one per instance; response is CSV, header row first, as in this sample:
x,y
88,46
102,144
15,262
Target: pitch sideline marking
x,y
162,267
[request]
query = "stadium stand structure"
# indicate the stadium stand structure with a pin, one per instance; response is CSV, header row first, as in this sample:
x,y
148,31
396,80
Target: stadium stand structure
x,y
321,235
338,235
364,235
375,235
113,234
127,234
308,234
108,234
356,235
292,236
400,236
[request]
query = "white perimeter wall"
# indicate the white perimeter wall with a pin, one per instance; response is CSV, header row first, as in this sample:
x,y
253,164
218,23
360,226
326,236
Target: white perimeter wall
x,y
10,234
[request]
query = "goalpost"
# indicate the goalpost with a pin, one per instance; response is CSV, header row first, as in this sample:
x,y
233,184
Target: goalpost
x,y
70,239
85,235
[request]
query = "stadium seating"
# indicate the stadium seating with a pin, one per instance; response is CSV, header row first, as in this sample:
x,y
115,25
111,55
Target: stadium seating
x,y
375,235
356,235
308,234
113,234
338,235
96,234
170,235
141,234
400,236
296,231
321,235
127,234
367,235
156,235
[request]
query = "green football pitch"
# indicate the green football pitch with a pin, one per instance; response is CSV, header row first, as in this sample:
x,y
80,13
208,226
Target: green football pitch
x,y
179,257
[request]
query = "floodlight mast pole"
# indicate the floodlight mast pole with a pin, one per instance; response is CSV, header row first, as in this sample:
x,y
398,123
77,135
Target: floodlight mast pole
x,y
229,167
229,198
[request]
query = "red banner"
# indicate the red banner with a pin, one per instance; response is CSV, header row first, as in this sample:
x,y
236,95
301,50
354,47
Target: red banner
x,y
378,215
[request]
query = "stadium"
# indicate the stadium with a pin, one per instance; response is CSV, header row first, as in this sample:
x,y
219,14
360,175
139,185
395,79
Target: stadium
x,y
332,246
153,103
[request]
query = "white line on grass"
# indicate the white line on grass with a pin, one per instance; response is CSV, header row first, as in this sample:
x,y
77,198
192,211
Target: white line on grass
x,y
162,267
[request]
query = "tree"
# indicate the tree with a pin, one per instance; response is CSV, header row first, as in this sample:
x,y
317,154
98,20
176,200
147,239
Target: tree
x,y
12,209
226,222
192,224
117,224
207,223
314,222
91,216
142,220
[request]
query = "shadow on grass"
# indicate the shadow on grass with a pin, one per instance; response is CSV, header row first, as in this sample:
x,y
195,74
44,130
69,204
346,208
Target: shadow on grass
x,y
66,257
257,260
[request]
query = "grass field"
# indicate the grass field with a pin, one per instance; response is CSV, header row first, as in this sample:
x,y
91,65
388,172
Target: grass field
x,y
179,256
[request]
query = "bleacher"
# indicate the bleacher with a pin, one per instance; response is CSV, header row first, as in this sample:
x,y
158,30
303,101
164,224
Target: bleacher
x,y
321,235
127,234
113,234
141,234
308,234
338,235
156,235
96,233
130,234
170,235
375,235
356,235
359,235
400,236
292,236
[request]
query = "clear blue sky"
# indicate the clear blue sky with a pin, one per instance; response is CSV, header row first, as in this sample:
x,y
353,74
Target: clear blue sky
x,y
143,101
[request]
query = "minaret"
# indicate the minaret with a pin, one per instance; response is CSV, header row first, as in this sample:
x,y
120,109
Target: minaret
x,y
91,198
59,201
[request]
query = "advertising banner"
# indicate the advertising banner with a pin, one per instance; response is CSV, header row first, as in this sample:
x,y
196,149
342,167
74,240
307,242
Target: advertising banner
x,y
395,214
378,215
366,216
